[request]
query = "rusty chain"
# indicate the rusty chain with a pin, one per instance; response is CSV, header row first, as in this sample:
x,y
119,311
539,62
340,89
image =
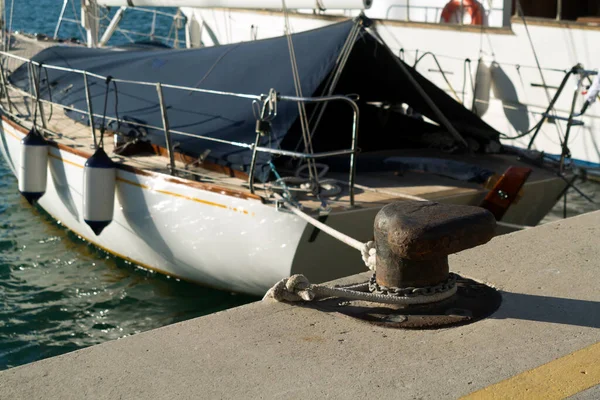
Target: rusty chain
x,y
442,287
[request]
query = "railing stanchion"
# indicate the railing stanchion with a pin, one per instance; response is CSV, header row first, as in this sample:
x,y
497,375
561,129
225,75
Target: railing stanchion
x,y
253,164
354,147
88,100
165,120
36,90
5,87
40,105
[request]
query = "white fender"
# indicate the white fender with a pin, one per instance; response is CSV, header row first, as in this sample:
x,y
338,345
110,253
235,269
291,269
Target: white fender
x,y
483,86
99,180
33,171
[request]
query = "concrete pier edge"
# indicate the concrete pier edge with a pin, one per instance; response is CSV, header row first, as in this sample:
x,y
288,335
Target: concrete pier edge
x,y
549,277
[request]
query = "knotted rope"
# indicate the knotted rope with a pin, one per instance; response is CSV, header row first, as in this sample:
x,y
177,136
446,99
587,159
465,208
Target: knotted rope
x,y
298,288
369,255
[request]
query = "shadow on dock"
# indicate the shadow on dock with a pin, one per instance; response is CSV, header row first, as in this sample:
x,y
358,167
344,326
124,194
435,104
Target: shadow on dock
x,y
549,309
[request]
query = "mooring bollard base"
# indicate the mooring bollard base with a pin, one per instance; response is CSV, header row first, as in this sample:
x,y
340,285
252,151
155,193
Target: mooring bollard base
x,y
472,302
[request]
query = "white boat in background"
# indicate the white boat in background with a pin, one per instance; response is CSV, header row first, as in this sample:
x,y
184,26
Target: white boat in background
x,y
508,69
211,150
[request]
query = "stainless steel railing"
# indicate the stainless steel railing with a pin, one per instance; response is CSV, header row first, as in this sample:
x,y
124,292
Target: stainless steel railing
x,y
166,129
125,32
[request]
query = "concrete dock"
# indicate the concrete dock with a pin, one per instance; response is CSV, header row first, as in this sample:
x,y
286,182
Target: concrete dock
x,y
543,342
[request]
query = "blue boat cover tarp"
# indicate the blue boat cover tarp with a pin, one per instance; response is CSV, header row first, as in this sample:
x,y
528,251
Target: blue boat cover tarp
x,y
248,67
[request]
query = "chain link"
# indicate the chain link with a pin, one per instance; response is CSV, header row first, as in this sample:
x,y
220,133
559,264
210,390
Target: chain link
x,y
445,286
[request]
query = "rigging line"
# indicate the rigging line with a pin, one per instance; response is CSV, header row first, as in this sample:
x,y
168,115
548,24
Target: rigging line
x,y
218,60
101,18
83,35
329,86
537,62
335,76
441,71
442,119
501,63
301,106
122,32
481,33
171,31
12,7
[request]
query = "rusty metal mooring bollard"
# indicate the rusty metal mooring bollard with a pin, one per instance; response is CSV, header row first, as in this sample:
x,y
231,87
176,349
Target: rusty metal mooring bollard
x,y
413,240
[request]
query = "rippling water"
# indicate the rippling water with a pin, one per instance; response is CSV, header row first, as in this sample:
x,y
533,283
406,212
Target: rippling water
x,y
59,293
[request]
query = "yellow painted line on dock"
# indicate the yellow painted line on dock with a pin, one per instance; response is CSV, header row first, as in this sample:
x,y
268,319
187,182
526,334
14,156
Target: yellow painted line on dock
x,y
558,379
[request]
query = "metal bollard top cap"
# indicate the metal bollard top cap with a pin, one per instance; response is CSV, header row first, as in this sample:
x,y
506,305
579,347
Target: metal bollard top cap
x,y
418,230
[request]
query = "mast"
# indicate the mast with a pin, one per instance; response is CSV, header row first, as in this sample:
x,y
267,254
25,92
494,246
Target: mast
x,y
90,20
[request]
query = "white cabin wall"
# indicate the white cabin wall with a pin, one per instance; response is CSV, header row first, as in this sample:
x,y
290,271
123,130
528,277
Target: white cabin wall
x,y
515,105
429,10
239,29
240,26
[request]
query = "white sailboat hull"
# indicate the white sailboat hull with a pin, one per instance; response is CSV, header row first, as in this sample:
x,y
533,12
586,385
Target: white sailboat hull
x,y
169,225
221,241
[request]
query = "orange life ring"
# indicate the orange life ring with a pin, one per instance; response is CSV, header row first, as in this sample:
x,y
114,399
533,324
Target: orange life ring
x,y
471,7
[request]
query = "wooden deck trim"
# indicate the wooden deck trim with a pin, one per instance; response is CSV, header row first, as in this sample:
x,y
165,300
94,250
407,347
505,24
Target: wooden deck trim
x,y
591,25
187,159
180,181
447,27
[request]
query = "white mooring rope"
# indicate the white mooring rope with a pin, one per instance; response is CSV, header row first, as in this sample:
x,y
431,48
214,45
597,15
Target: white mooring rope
x,y
298,288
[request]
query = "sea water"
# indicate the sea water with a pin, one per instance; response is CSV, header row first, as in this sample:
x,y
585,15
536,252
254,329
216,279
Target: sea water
x,y
58,293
